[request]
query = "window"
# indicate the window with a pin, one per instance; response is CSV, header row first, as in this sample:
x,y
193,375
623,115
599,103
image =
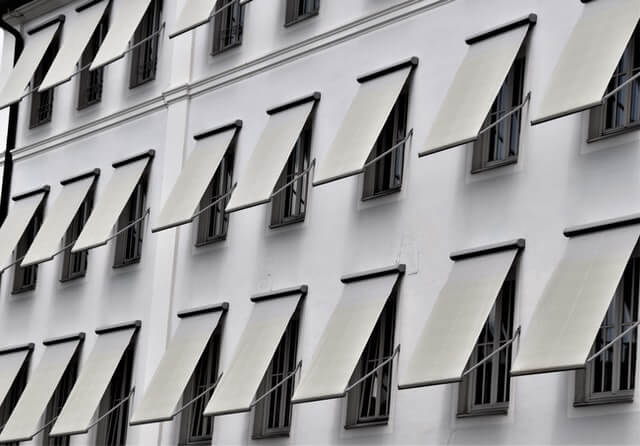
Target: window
x,y
74,264
620,111
42,101
24,278
227,25
57,402
289,205
196,428
273,413
112,430
146,40
610,376
90,91
369,402
499,145
129,241
213,223
15,391
385,175
298,10
485,391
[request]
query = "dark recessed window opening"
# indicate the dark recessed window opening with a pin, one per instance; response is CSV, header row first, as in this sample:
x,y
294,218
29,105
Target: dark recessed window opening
x,y
74,264
385,175
289,205
485,391
42,101
24,278
146,41
129,241
298,10
273,413
90,89
14,394
227,25
58,400
369,402
499,145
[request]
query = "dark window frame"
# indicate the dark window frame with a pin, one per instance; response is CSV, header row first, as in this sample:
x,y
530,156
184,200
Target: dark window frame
x,y
41,111
90,83
226,33
25,277
14,394
74,264
300,10
145,55
128,250
59,398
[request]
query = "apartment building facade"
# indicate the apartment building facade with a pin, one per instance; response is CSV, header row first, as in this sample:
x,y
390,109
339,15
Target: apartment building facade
x,y
320,222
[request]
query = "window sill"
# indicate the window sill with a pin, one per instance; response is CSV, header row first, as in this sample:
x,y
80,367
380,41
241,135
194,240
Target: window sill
x,y
35,125
270,435
24,290
301,18
495,165
367,424
211,241
484,412
293,221
384,193
127,263
601,401
611,134
138,83
72,278
225,49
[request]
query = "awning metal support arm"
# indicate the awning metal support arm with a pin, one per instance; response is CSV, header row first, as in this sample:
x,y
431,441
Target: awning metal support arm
x,y
113,409
12,264
493,353
616,339
130,225
527,98
200,395
621,86
296,178
387,152
382,364
216,201
47,424
274,388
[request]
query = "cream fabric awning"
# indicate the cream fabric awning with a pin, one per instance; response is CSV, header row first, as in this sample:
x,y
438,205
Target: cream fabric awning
x,y
458,315
11,361
195,13
589,58
346,335
575,300
267,324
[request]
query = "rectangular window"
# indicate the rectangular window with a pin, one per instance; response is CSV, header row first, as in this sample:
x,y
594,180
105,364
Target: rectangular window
x,y
42,101
196,429
24,278
289,205
11,400
213,223
129,241
499,145
146,41
621,110
90,90
298,10
227,25
58,400
485,391
273,413
369,402
74,264
385,175
610,376
112,430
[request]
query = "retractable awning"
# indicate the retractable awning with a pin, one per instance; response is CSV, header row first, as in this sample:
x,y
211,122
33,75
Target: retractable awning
x,y
12,359
346,335
78,31
125,178
24,422
178,364
476,84
576,298
459,313
126,17
197,13
267,324
203,162
20,214
270,156
93,381
37,42
47,242
589,58
377,94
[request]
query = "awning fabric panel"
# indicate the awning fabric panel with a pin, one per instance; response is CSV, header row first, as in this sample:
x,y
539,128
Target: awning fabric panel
x,y
77,33
269,157
94,378
20,215
589,58
110,205
10,365
361,126
24,421
574,302
457,318
474,88
344,339
239,384
35,47
57,221
194,14
176,368
193,180
127,15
